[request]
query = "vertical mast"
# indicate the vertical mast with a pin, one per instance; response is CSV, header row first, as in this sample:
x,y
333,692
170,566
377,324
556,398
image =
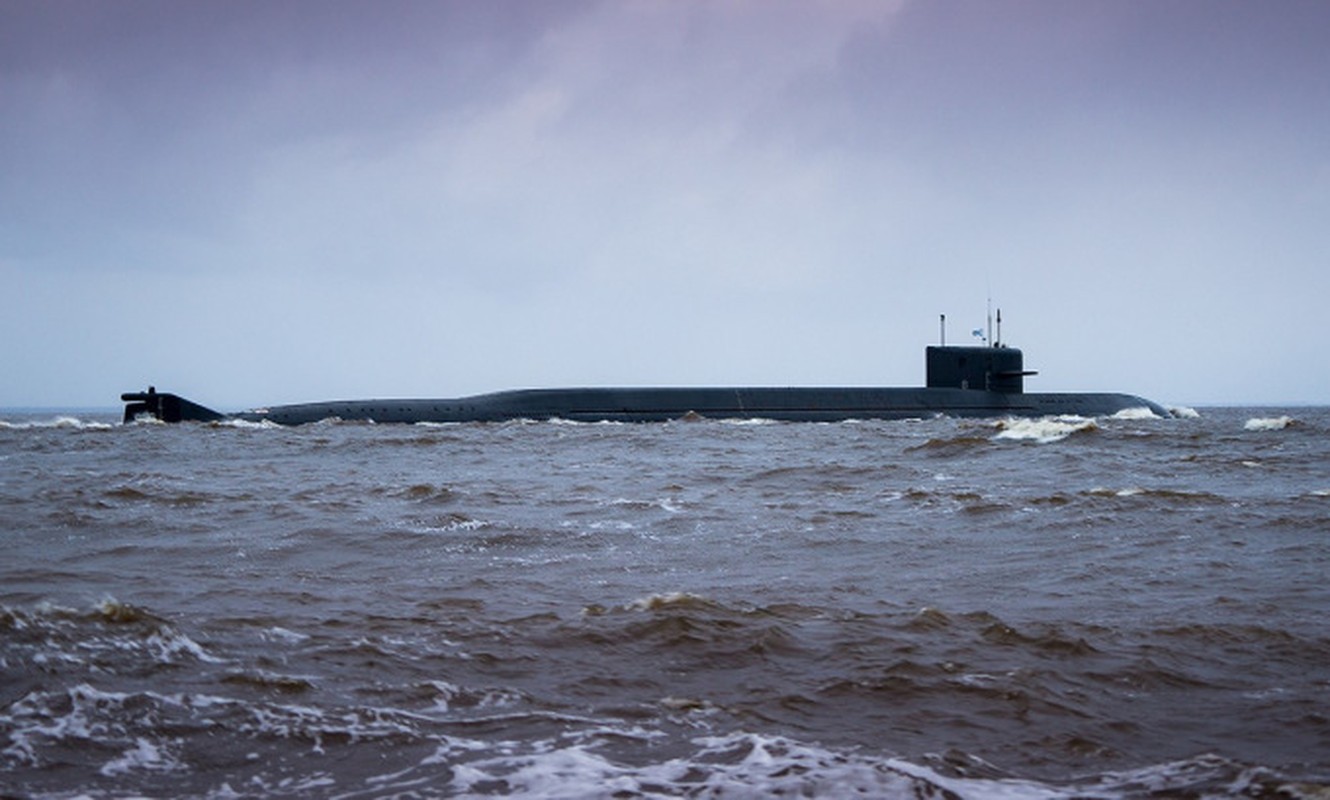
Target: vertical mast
x,y
989,340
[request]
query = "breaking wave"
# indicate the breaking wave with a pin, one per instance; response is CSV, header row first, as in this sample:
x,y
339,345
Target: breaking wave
x,y
61,422
1269,423
244,424
1140,412
1044,430
756,765
139,749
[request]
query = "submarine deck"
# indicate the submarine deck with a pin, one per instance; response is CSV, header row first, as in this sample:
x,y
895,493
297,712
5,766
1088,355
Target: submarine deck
x,y
661,404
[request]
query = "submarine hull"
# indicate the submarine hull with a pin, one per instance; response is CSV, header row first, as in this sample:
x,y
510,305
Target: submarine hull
x,y
961,382
660,404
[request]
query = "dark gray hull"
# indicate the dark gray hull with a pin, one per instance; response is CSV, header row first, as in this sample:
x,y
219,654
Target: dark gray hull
x,y
656,405
960,382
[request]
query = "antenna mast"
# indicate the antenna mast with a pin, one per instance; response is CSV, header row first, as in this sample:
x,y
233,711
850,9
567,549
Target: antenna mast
x,y
942,324
998,341
990,341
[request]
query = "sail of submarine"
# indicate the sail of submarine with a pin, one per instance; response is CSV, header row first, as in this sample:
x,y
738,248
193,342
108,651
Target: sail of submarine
x,y
960,381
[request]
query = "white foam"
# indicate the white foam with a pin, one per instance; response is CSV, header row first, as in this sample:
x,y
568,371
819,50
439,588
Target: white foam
x,y
143,756
738,765
749,765
277,633
573,763
454,525
62,422
1183,412
1268,423
1043,430
669,504
688,704
171,647
1140,412
261,425
664,600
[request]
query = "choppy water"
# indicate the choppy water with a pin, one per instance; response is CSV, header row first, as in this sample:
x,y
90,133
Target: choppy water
x,y
1109,608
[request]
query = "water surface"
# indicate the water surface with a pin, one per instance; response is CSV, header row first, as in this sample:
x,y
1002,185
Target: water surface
x,y
1107,607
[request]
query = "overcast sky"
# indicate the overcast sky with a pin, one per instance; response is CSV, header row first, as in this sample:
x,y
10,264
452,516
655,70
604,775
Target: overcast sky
x,y
262,202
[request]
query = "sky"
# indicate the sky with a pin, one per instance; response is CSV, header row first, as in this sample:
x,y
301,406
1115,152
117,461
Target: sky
x,y
251,202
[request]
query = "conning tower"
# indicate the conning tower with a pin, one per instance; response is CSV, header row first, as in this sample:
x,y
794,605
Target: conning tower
x,y
993,369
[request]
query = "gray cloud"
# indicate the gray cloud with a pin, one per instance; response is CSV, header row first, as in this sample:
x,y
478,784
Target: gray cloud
x,y
326,199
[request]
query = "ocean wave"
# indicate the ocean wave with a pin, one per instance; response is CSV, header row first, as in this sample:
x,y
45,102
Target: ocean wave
x,y
263,679
450,698
455,522
949,446
670,600
745,764
1047,640
143,755
41,717
127,494
284,636
110,637
1044,430
1139,412
146,731
1269,423
152,743
245,424
1184,497
169,646
110,609
670,504
740,765
61,422
426,493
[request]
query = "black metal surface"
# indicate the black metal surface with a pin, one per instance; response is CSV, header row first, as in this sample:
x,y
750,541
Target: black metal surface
x,y
961,381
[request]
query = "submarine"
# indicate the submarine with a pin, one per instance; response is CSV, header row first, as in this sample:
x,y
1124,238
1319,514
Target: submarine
x,y
960,381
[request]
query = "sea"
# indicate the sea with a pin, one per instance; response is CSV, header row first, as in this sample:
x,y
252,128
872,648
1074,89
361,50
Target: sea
x,y
1123,607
